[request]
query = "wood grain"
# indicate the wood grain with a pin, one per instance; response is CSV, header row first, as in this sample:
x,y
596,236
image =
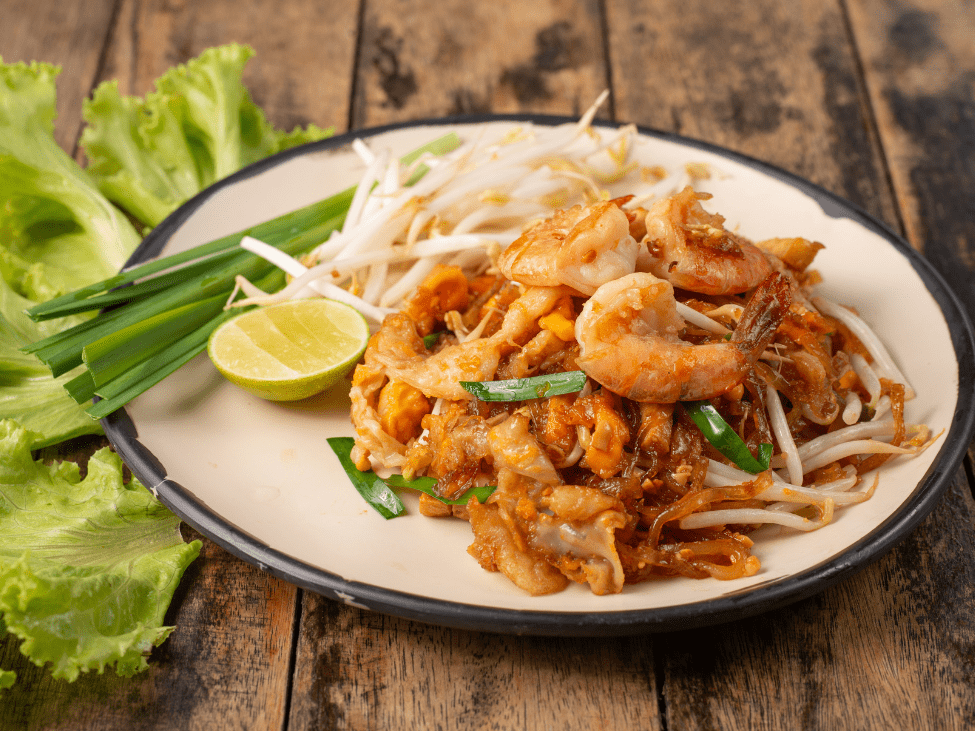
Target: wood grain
x,y
919,59
894,647
359,670
71,35
304,51
774,80
424,59
781,82
225,666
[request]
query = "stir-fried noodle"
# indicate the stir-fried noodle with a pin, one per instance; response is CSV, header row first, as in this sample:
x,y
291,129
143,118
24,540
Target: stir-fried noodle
x,y
506,261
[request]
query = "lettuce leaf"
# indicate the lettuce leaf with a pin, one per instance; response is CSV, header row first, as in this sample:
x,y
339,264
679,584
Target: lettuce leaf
x,y
88,566
200,125
57,233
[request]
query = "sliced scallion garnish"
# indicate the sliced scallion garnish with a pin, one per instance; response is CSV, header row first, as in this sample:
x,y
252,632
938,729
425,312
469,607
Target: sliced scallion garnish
x,y
523,389
717,431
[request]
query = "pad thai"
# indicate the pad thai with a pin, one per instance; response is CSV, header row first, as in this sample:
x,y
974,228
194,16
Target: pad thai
x,y
712,390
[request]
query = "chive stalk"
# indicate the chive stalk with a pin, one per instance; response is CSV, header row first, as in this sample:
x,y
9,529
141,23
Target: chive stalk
x,y
426,484
377,491
368,484
523,389
160,313
720,434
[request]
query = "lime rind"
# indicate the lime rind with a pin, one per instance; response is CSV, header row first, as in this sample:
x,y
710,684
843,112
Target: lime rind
x,y
292,350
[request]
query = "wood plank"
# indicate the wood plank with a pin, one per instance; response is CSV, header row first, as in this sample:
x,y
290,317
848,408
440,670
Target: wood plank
x,y
422,59
780,81
71,35
919,58
774,80
225,666
893,647
360,670
304,51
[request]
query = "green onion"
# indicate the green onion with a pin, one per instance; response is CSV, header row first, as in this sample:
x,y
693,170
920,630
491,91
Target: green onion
x,y
522,389
163,311
368,484
426,484
430,340
717,431
114,354
377,491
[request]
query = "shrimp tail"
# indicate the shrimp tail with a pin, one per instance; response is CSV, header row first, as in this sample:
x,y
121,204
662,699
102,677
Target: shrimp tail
x,y
762,316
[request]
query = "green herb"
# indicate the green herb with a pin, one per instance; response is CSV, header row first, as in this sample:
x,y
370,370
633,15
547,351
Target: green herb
x,y
60,231
368,484
426,484
430,340
88,566
198,126
159,323
57,232
717,431
522,389
378,493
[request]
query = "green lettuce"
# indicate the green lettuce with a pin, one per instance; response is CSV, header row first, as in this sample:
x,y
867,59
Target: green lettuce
x,y
53,214
151,154
88,566
57,233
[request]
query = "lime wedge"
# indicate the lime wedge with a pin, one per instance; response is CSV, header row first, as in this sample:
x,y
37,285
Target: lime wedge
x,y
291,350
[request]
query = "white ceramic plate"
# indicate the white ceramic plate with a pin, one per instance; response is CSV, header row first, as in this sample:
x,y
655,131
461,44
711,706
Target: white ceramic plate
x,y
259,478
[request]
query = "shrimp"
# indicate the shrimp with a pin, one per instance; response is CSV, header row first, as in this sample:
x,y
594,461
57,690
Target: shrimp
x,y
582,247
692,249
399,352
628,337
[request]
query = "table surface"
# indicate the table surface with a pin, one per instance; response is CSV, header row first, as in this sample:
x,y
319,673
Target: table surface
x,y
873,100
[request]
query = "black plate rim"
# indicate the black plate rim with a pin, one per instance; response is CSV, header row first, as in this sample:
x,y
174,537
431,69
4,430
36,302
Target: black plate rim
x,y
123,435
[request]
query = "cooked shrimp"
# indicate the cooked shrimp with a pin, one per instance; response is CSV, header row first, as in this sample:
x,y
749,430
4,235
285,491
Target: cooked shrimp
x,y
692,249
399,351
582,247
628,337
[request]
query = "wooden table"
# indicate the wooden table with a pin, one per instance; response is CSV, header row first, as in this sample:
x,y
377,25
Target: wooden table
x,y
873,100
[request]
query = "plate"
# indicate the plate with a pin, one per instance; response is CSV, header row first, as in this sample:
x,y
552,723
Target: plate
x,y
259,479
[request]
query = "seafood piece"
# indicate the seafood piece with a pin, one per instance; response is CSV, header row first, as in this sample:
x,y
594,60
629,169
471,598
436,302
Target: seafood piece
x,y
538,535
399,351
514,448
582,247
498,546
692,249
628,338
